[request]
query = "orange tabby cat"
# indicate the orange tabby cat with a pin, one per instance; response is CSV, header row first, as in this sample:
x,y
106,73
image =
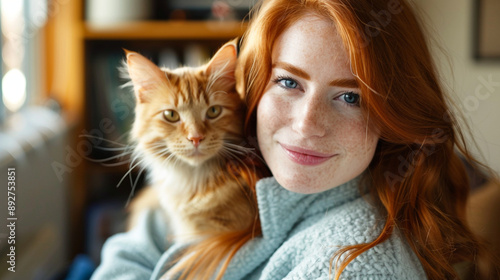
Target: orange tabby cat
x,y
187,132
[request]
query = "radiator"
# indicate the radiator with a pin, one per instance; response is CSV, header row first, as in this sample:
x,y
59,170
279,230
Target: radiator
x,y
29,142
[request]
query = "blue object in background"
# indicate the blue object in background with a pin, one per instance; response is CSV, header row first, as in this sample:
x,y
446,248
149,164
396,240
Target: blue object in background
x,y
81,268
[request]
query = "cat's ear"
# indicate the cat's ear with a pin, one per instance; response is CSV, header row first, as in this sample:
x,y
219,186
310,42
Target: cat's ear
x,y
145,75
222,65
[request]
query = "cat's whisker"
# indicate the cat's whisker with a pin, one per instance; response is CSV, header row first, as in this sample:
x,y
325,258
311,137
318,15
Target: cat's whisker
x,y
125,136
134,185
125,149
158,144
129,171
159,148
113,149
173,159
229,155
245,150
135,157
119,163
237,151
115,164
169,158
239,147
162,152
123,154
156,148
241,162
241,150
102,139
225,154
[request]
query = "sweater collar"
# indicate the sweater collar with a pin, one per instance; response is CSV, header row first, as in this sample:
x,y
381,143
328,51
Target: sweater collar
x,y
280,209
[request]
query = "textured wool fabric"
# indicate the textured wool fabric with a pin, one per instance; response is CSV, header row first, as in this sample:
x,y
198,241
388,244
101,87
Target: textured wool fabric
x,y
301,233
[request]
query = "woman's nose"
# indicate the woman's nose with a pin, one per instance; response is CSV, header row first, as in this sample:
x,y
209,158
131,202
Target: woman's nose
x,y
309,117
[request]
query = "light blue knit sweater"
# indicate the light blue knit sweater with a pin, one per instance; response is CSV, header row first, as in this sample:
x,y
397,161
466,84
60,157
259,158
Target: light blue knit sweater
x,y
300,235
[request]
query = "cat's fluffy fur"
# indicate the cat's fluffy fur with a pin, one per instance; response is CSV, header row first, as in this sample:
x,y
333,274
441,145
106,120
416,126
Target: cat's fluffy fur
x,y
188,134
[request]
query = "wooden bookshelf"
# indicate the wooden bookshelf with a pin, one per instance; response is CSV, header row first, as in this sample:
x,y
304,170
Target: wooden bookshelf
x,y
164,30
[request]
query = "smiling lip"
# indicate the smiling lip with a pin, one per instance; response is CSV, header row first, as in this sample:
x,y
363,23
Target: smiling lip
x,y
305,157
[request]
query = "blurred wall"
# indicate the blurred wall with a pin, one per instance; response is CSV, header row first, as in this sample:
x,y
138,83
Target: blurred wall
x,y
474,85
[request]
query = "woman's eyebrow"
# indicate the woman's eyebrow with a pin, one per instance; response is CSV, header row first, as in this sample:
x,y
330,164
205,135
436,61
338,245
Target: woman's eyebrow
x,y
346,83
292,69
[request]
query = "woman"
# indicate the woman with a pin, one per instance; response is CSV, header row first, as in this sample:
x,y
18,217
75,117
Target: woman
x,y
350,118
415,177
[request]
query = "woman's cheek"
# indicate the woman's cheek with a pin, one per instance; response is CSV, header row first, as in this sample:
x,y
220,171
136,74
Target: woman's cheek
x,y
272,110
270,118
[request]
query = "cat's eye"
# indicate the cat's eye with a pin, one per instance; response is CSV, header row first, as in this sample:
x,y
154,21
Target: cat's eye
x,y
171,116
214,111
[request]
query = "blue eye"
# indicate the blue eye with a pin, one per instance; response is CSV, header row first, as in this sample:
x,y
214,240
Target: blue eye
x,y
287,82
351,98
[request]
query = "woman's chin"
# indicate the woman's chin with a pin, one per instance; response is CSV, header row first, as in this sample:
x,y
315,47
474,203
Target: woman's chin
x,y
297,184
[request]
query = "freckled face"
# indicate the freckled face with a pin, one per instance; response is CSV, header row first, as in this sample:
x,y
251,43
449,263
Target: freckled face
x,y
310,128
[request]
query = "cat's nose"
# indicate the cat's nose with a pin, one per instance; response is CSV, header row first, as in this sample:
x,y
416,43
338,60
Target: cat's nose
x,y
196,140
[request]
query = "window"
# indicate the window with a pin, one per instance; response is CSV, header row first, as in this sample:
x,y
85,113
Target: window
x,y
20,22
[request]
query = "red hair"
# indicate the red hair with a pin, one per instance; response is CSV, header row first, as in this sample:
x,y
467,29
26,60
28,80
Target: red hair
x,y
416,175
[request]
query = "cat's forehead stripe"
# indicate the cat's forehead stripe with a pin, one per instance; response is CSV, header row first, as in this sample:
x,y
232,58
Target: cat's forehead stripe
x,y
180,82
191,86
